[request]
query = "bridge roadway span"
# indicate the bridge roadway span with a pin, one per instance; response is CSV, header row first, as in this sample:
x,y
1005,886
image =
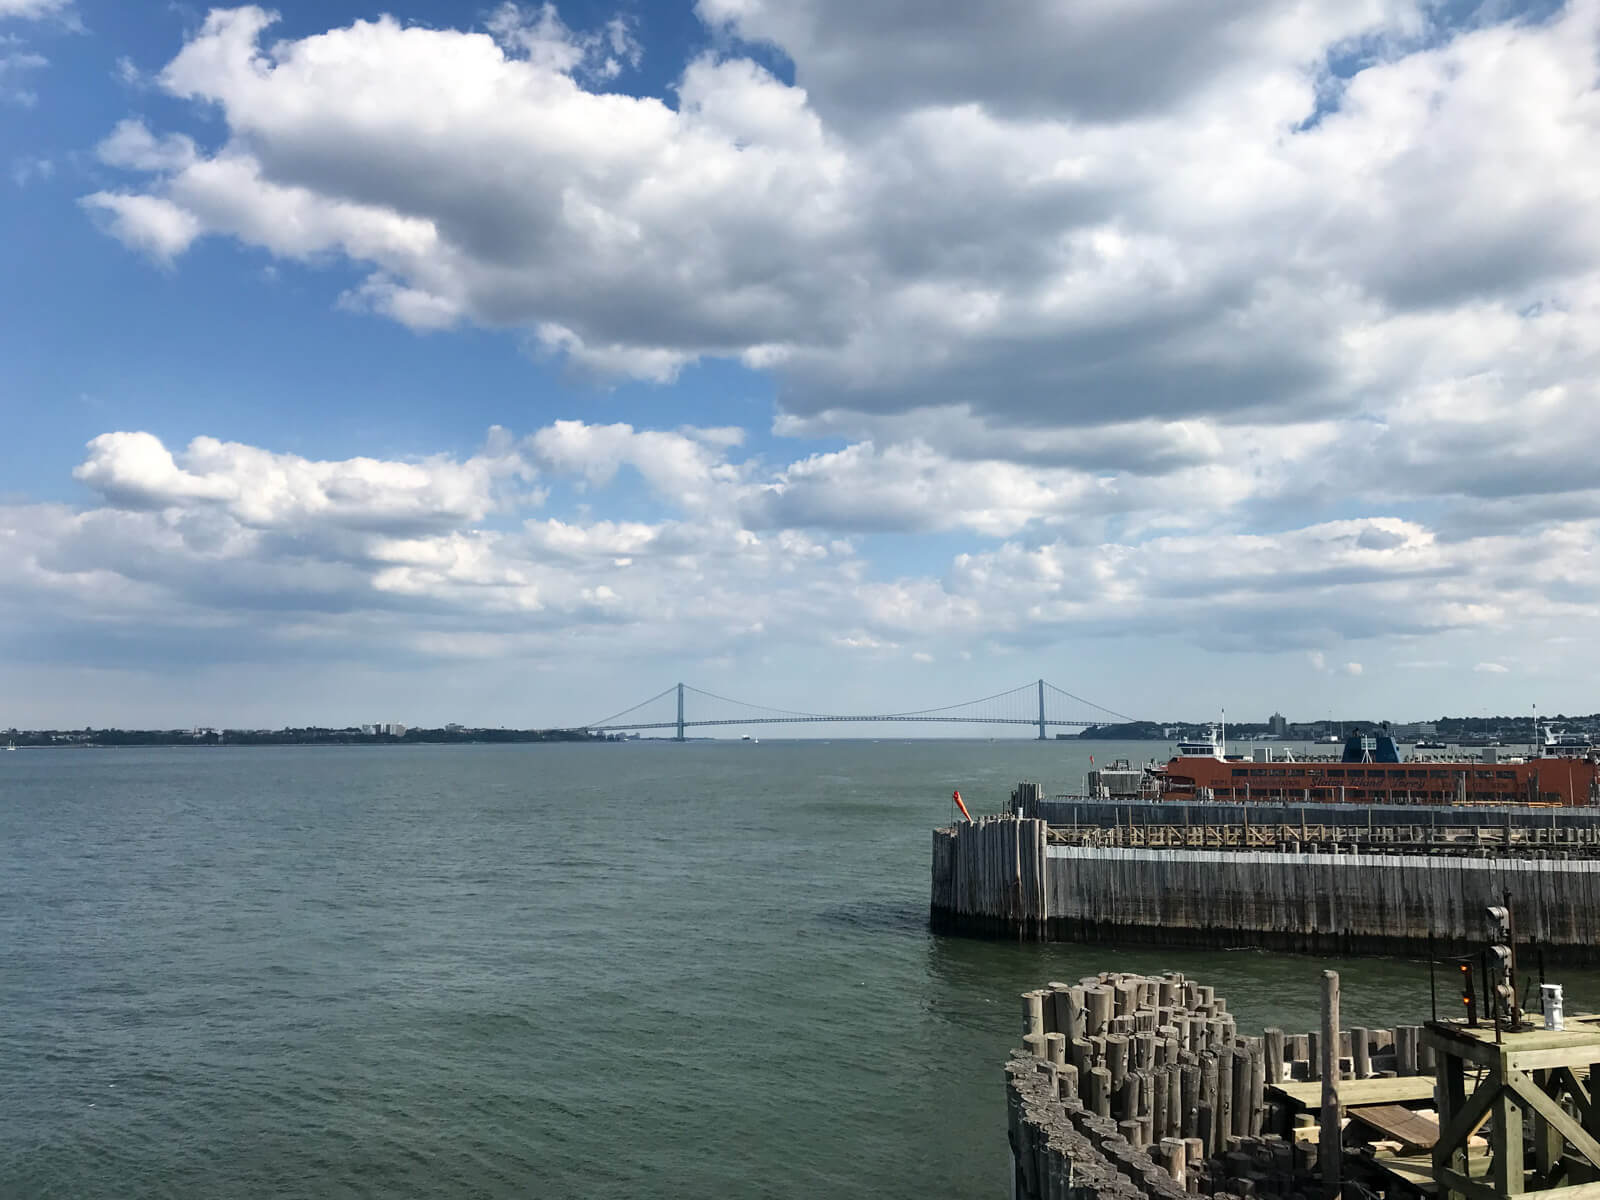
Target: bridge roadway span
x,y
814,720
1035,692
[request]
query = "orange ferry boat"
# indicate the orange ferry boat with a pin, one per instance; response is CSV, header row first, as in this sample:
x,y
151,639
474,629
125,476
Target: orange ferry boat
x,y
1370,772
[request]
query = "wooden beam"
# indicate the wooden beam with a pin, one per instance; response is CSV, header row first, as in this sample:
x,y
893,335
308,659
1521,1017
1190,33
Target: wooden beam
x,y
1548,1145
1577,1136
1465,1122
1330,1154
1456,1182
1505,1140
1580,1191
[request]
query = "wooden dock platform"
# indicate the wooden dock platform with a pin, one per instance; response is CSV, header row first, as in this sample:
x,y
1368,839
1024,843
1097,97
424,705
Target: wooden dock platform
x,y
1128,1086
1341,888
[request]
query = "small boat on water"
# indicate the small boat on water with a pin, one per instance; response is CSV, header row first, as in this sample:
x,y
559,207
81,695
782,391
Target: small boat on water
x,y
752,740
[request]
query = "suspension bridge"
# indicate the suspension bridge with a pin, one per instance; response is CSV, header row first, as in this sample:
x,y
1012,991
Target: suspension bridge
x,y
1040,704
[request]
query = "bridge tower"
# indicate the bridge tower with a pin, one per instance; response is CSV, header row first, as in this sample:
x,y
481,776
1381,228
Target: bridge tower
x,y
1041,710
680,712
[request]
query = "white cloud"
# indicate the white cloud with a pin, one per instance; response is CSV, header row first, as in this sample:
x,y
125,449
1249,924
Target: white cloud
x,y
263,490
17,65
33,9
17,62
440,553
158,227
1157,259
1097,60
1276,322
1492,668
133,146
27,168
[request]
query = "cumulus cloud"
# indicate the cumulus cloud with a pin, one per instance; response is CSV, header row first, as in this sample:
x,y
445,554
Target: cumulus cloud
x,y
1099,60
443,556
132,145
263,490
160,228
1277,321
1199,231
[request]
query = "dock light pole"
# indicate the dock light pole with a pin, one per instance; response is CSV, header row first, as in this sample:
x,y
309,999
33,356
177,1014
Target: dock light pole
x,y
680,712
1041,710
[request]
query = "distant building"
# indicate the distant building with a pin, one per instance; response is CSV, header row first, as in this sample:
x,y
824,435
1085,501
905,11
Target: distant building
x,y
1279,724
394,729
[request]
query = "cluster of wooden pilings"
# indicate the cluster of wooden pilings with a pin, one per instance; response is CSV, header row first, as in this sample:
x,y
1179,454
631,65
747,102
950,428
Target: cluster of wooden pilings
x,y
1159,1056
1130,1085
993,873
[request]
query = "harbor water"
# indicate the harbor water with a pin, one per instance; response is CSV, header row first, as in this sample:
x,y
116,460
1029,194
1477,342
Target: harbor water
x,y
566,970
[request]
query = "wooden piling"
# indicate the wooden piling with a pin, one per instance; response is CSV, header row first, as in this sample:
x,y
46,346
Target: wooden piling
x,y
1406,1038
1033,1013
1272,1043
1258,1086
1174,1159
1329,1152
1360,1054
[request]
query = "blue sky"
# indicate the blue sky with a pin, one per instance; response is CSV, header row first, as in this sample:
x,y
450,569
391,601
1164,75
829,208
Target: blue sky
x,y
503,363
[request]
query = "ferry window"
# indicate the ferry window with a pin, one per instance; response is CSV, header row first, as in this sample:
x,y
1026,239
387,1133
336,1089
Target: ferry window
x,y
1505,774
1240,772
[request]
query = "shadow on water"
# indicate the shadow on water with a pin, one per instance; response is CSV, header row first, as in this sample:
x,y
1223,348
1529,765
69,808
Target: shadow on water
x,y
875,916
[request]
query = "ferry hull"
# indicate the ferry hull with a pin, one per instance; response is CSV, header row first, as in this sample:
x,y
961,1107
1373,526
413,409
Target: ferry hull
x,y
1557,782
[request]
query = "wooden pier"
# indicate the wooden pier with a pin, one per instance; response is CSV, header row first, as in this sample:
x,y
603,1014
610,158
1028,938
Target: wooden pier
x,y
1353,886
1129,1086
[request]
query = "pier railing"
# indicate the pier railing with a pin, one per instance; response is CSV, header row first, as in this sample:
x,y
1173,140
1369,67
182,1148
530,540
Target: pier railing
x,y
1324,837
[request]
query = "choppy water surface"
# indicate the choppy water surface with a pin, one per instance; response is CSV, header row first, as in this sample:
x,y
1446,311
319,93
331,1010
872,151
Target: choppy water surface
x,y
642,970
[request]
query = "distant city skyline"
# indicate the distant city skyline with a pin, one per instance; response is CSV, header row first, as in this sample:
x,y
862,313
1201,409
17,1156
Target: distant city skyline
x,y
506,364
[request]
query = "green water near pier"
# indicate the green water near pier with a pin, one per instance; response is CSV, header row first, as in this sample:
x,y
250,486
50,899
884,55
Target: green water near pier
x,y
548,971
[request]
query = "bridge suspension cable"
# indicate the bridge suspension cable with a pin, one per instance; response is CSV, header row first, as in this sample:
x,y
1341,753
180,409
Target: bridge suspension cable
x,y
923,712
611,720
1109,711
786,712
